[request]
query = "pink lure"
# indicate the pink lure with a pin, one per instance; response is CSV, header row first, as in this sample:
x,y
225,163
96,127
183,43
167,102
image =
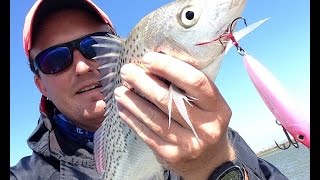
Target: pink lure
x,y
278,101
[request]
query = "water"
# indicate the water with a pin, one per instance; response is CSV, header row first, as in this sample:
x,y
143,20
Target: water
x,y
294,163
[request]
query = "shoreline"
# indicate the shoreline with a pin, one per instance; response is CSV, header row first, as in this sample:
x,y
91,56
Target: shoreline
x,y
271,149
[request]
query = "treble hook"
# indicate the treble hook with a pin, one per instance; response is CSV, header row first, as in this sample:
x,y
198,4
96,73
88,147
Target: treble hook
x,y
234,21
291,142
229,35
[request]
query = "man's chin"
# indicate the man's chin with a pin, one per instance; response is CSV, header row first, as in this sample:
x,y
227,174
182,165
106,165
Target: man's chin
x,y
93,120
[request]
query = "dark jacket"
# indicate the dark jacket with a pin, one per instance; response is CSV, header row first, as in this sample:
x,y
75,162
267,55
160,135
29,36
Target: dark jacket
x,y
56,157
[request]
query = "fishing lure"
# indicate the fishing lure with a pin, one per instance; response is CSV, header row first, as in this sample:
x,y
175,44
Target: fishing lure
x,y
274,95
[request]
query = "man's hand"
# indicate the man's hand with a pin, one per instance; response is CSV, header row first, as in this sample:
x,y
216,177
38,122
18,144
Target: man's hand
x,y
176,147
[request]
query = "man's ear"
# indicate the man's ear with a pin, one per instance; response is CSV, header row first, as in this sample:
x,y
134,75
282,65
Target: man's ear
x,y
40,85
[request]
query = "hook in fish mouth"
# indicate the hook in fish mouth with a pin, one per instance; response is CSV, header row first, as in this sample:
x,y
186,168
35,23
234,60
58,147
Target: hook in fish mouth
x,y
227,35
233,23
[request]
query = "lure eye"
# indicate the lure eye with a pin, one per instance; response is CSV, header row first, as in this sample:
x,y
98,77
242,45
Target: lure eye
x,y
189,16
301,137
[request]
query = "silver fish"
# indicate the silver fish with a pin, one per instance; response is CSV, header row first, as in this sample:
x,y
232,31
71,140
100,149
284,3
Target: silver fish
x,y
173,29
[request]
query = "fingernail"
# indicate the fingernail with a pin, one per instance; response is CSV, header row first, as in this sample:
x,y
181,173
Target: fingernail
x,y
146,59
124,71
117,94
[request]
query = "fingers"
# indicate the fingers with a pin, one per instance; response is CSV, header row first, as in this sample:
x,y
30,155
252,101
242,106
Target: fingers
x,y
207,124
146,112
153,89
194,82
151,125
153,121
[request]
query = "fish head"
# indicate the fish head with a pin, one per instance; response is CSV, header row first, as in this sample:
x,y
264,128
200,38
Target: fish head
x,y
186,23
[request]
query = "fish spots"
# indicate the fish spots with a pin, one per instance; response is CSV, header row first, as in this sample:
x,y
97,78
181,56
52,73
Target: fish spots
x,y
122,145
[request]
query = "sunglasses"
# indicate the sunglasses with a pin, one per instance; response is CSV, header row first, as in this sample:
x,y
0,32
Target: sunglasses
x,y
59,57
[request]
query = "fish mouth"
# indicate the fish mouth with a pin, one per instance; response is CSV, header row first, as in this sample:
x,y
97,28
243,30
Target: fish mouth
x,y
235,9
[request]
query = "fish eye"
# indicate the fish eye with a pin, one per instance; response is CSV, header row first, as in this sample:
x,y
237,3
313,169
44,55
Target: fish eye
x,y
189,16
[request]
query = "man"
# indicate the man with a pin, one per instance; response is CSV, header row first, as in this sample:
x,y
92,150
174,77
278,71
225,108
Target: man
x,y
72,105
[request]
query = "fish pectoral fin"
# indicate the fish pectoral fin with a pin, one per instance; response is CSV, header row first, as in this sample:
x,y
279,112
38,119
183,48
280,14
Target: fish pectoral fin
x,y
99,149
179,97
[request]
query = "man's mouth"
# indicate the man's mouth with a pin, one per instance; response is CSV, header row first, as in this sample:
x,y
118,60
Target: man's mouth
x,y
89,88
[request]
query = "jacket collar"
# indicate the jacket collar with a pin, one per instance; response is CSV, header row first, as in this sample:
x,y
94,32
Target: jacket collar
x,y
48,141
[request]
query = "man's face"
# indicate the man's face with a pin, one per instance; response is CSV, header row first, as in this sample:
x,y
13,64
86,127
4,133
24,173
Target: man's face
x,y
75,91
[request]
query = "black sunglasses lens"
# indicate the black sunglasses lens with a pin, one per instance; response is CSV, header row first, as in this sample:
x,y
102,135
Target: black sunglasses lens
x,y
56,60
86,47
59,57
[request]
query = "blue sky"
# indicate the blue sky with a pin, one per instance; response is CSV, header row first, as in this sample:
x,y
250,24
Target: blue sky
x,y
282,44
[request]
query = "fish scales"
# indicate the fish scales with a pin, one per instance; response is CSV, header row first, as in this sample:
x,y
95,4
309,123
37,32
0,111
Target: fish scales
x,y
173,29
